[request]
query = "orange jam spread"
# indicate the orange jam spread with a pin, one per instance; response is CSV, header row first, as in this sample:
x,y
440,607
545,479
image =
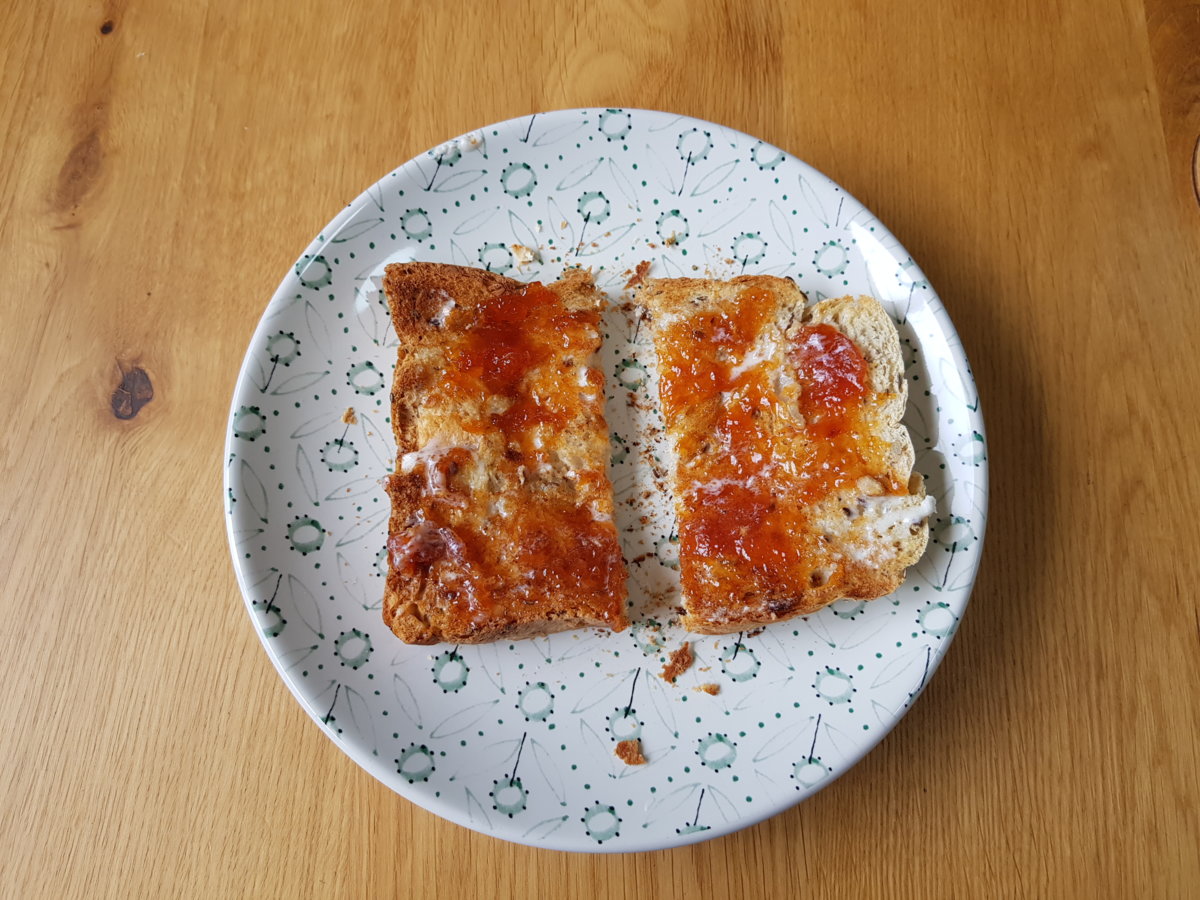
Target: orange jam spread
x,y
749,468
513,379
690,378
566,553
512,336
835,385
556,552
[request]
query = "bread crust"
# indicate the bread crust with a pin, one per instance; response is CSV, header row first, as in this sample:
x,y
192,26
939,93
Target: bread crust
x,y
854,540
491,526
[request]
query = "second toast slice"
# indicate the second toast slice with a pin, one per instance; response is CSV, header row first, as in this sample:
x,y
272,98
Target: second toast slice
x,y
793,475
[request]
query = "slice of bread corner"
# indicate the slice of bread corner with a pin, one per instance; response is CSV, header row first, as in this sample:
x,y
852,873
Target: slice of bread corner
x,y
766,533
501,522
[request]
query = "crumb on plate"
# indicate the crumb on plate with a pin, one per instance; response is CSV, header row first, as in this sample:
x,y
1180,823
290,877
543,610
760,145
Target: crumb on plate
x,y
630,752
639,274
680,662
523,255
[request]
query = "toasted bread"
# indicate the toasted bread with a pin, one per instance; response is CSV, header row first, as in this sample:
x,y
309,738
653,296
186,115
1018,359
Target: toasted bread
x,y
793,475
501,523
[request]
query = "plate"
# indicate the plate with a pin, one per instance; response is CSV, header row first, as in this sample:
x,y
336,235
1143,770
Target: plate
x,y
516,739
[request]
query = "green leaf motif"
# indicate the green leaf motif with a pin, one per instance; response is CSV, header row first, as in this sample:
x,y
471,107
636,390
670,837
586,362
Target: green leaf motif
x,y
597,749
475,811
462,719
355,584
476,221
317,423
545,828
782,226
356,228
358,712
521,232
813,201
715,178
722,217
797,734
602,689
317,328
298,382
904,667
252,490
458,181
374,524
548,768
305,474
406,700
579,174
555,133
355,487
604,240
296,597
290,659
373,437
624,185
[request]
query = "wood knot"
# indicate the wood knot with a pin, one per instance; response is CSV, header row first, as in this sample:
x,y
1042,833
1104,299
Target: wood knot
x,y
79,171
107,27
134,392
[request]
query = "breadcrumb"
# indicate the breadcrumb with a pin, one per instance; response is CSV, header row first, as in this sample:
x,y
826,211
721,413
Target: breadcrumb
x,y
639,275
680,662
523,255
710,688
630,752
349,416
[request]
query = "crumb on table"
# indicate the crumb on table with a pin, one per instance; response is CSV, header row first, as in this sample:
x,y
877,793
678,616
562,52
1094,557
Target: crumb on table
x,y
349,416
630,752
680,662
710,688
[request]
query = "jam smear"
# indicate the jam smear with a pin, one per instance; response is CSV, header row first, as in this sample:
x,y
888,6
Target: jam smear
x,y
834,372
507,351
753,468
565,551
695,373
519,353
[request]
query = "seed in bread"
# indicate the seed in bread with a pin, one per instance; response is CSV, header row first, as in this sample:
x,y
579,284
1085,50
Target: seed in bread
x,y
501,523
793,476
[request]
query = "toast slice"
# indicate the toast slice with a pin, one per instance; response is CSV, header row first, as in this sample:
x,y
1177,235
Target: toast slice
x,y
793,475
501,524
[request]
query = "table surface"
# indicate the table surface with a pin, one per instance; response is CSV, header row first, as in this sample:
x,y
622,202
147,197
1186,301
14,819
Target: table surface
x,y
1044,175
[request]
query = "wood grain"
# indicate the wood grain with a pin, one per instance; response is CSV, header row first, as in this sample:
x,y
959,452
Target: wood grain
x,y
162,163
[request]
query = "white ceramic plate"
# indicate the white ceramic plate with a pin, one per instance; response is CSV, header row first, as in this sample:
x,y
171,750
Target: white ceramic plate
x,y
516,739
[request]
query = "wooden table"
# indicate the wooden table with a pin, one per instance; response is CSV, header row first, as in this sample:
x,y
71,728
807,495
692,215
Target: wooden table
x,y
161,164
